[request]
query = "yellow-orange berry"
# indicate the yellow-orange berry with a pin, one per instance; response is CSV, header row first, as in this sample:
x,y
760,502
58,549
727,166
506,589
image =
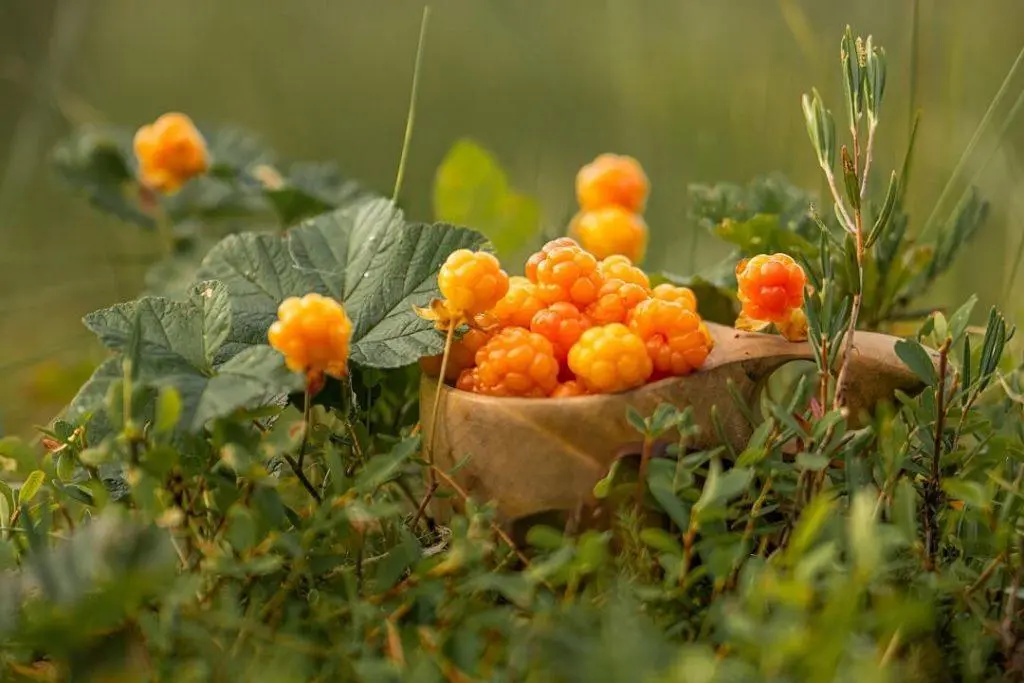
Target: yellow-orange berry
x,y
566,273
680,295
569,389
472,281
619,267
677,341
516,362
313,333
614,302
466,380
535,259
770,287
170,152
461,356
519,305
611,230
612,180
609,359
561,323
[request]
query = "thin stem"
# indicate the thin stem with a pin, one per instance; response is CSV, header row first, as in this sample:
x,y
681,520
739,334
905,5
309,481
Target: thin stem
x,y
307,425
437,402
848,224
411,116
645,458
852,327
302,478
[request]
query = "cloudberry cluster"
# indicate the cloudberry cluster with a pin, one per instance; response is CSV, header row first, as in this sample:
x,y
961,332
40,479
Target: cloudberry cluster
x,y
574,326
612,194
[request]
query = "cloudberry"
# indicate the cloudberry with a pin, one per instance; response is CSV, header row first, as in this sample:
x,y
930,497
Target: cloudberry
x,y
611,230
676,339
461,356
519,305
313,334
467,380
619,267
680,295
170,152
561,323
568,389
614,302
535,259
770,287
610,359
472,281
612,180
516,362
566,273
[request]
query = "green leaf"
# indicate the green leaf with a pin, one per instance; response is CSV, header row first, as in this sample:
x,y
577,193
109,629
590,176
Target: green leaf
x,y
659,539
257,376
471,188
970,492
380,267
764,233
168,410
308,189
660,485
7,503
212,296
918,360
864,541
30,488
714,302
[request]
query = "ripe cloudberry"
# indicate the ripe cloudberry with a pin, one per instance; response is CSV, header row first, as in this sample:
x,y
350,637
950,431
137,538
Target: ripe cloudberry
x,y
612,180
566,273
770,287
619,267
472,281
680,295
535,259
610,359
313,334
461,356
561,323
614,302
569,389
611,230
519,305
170,152
673,335
466,380
516,362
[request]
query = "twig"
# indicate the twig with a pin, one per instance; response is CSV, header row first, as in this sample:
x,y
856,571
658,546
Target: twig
x,y
986,574
461,492
435,412
307,427
932,489
302,478
848,224
423,505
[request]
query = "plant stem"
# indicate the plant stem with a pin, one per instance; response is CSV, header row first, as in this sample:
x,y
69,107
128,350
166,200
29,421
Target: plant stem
x,y
307,425
302,478
437,403
641,483
848,224
932,488
410,118
851,329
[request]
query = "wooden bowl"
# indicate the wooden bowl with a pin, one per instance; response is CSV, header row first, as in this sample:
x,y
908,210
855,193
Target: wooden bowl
x,y
538,456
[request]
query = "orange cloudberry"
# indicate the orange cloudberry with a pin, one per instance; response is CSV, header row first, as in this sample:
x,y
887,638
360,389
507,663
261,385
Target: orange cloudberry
x,y
313,333
612,180
770,287
680,295
561,323
516,362
569,389
461,356
466,380
614,302
619,267
676,339
535,259
565,273
611,230
472,281
519,305
170,152
609,359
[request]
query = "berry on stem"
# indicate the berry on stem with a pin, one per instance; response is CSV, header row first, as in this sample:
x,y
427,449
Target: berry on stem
x,y
472,281
313,334
516,362
170,152
611,230
612,180
609,359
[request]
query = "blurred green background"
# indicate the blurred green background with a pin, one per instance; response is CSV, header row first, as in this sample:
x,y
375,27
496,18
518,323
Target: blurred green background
x,y
699,91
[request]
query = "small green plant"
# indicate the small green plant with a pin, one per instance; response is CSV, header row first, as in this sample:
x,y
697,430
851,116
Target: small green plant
x,y
193,516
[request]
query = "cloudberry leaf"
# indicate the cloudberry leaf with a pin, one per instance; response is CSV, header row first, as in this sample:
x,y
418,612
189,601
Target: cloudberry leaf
x,y
380,267
471,188
257,376
308,189
764,234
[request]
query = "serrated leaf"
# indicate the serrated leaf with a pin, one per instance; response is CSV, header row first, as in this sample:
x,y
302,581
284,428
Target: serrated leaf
x,y
256,376
918,360
471,188
380,267
212,299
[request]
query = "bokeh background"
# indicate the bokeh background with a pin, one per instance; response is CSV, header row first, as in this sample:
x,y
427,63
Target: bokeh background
x,y
699,91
